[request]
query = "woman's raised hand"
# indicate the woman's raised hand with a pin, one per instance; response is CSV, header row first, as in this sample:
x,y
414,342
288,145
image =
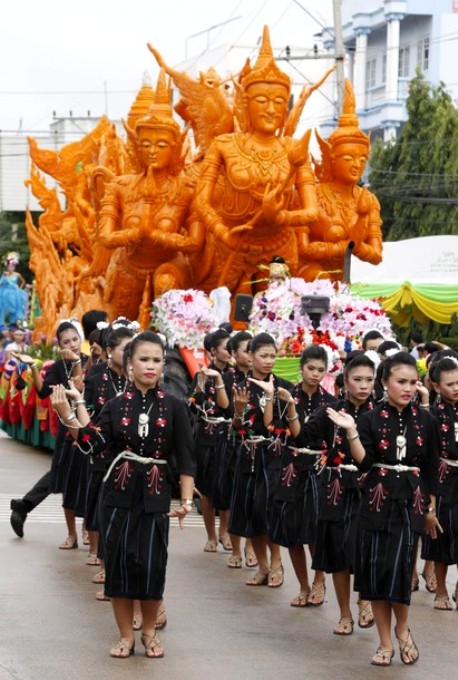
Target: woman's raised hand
x,y
341,419
267,386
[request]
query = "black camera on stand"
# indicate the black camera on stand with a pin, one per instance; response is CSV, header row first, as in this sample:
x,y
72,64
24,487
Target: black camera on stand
x,y
315,306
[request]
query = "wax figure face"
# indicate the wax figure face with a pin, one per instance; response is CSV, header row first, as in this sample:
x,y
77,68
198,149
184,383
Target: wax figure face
x,y
359,382
242,356
348,162
401,385
447,386
147,364
156,148
117,354
267,107
69,339
313,372
263,359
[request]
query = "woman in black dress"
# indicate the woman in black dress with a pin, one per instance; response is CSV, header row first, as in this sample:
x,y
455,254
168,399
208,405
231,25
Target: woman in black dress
x,y
295,505
68,468
335,542
259,448
148,437
208,402
396,444
103,382
444,549
226,448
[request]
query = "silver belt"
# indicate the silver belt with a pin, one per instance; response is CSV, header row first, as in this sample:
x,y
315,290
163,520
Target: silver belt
x,y
256,440
130,455
450,461
305,451
397,468
215,421
348,467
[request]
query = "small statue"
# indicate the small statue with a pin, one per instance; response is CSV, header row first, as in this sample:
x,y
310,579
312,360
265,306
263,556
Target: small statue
x,y
348,213
146,218
12,296
256,192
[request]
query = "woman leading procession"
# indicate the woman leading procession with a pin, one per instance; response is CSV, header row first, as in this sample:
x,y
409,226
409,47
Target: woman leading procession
x,y
148,437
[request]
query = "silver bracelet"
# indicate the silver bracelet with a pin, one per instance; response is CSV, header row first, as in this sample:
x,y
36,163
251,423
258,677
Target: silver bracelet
x,y
219,387
80,401
293,418
355,436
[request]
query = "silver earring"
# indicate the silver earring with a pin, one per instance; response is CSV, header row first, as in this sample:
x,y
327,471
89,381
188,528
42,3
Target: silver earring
x,y
385,394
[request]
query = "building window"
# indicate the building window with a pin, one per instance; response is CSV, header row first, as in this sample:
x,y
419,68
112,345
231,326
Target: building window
x,y
370,73
384,69
404,57
423,54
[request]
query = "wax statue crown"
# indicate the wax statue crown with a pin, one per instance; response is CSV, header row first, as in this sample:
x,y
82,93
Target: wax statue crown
x,y
143,101
348,130
159,114
265,70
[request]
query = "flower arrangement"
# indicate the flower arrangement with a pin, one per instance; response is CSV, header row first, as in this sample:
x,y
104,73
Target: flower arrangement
x,y
278,311
184,317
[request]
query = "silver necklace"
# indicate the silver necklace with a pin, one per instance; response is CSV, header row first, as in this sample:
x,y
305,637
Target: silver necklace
x,y
143,421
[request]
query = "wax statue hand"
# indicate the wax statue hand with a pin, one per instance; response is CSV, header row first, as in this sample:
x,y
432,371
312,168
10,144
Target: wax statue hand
x,y
272,205
230,236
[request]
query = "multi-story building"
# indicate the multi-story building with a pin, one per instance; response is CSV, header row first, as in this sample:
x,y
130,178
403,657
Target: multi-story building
x,y
386,41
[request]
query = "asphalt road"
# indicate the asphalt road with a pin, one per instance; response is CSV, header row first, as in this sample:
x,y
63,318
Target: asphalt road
x,y
52,628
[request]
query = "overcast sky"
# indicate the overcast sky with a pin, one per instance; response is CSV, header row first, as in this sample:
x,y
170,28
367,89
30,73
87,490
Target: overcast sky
x,y
91,54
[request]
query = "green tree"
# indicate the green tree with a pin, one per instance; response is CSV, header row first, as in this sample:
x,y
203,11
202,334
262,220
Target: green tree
x,y
416,176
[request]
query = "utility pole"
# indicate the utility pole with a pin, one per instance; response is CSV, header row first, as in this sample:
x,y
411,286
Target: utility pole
x,y
339,50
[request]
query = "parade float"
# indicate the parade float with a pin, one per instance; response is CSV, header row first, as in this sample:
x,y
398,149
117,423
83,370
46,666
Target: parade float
x,y
200,199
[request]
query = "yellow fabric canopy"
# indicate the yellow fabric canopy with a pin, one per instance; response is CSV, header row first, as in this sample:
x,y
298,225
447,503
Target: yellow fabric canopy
x,y
422,301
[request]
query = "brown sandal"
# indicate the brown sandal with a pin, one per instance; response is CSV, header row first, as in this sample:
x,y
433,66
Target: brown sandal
x,y
250,559
234,562
211,546
382,657
317,593
300,600
151,646
259,579
226,542
407,646
161,619
344,627
430,581
99,577
365,615
276,577
442,603
125,648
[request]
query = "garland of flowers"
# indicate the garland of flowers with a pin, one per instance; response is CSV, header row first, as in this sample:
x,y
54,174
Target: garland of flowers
x,y
278,311
184,317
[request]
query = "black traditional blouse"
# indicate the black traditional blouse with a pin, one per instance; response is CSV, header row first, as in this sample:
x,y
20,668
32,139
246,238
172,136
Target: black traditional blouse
x,y
168,438
446,417
408,438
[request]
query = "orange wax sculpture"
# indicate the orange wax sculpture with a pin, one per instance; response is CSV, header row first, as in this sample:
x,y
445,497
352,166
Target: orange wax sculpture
x,y
147,214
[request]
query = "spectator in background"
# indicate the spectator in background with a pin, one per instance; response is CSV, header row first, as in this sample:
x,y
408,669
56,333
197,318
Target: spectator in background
x,y
414,340
371,340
